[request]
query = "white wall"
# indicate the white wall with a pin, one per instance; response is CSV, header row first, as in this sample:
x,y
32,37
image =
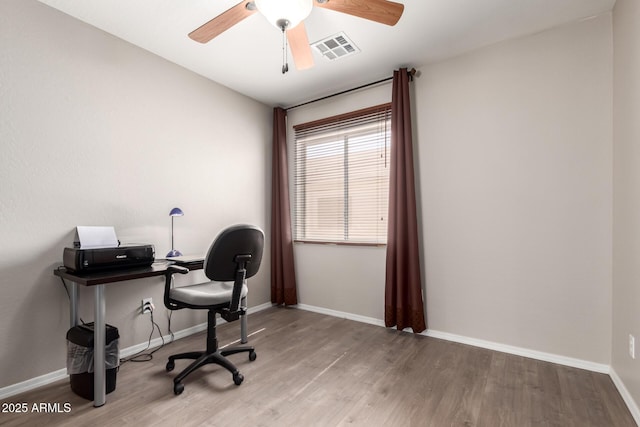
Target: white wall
x,y
514,164
515,152
626,236
95,131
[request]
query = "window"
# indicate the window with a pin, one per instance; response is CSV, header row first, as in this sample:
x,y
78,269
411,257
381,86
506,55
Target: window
x,y
342,178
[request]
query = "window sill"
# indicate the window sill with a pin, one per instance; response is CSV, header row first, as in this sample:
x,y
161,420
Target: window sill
x,y
315,242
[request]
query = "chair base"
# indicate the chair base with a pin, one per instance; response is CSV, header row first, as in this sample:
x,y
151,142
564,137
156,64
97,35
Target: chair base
x,y
202,358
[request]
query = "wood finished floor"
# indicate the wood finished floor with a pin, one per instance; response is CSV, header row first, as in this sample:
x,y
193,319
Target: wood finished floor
x,y
317,370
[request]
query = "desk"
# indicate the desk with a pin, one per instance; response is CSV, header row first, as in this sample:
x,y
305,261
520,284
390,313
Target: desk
x,y
97,281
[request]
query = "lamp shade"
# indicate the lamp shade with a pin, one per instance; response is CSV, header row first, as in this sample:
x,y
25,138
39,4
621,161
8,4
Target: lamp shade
x,y
284,13
176,212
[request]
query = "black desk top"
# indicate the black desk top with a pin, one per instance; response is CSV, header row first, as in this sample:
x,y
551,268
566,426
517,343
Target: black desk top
x,y
118,275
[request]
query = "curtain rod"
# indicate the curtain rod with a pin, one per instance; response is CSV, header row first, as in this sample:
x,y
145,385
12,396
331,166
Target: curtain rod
x,y
410,73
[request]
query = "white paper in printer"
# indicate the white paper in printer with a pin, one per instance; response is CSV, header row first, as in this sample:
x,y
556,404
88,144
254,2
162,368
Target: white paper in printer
x,y
91,237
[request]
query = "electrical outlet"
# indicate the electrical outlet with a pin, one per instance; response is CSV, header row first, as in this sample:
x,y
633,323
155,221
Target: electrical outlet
x,y
632,346
146,305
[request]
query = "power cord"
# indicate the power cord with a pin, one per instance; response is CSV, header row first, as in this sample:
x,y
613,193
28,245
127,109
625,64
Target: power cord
x,y
141,356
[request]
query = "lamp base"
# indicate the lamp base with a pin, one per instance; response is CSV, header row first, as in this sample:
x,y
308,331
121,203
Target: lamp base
x,y
174,253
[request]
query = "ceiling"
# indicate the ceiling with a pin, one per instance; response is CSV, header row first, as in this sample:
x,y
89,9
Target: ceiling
x,y
248,57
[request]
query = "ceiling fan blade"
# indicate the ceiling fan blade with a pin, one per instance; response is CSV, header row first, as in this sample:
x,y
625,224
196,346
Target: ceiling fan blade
x,y
382,11
223,22
300,49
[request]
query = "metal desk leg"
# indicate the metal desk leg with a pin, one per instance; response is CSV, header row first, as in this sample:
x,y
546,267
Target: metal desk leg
x,y
73,304
99,339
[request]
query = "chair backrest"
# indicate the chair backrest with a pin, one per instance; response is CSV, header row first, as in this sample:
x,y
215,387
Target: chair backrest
x,y
238,240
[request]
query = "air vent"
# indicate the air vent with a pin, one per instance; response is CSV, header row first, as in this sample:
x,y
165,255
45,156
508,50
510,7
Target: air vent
x,y
336,46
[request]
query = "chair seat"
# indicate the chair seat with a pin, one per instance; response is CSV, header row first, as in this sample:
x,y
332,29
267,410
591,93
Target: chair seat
x,y
206,294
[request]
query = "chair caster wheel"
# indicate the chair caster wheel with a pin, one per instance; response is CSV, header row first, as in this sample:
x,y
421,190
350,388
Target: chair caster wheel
x,y
252,355
178,388
170,365
238,378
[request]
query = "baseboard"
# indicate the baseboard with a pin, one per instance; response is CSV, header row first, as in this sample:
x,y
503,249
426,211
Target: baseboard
x,y
538,355
626,396
341,314
519,351
61,374
33,383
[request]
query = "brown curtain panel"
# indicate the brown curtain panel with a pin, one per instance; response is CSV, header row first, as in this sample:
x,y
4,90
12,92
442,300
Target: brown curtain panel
x,y
283,277
404,305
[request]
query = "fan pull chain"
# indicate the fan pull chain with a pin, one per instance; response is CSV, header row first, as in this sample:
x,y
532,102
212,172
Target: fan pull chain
x,y
285,64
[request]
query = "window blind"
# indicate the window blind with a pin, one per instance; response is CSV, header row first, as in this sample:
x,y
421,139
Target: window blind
x,y
341,182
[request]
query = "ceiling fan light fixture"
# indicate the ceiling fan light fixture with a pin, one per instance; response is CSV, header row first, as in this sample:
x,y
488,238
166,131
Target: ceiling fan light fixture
x,y
284,13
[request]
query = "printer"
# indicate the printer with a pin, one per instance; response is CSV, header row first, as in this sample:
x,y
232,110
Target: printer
x,y
99,259
96,248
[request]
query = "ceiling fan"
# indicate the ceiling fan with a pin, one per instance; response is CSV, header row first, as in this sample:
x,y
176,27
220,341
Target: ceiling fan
x,y
289,15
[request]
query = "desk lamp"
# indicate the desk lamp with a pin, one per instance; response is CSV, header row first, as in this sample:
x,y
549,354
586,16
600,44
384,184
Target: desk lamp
x,y
174,212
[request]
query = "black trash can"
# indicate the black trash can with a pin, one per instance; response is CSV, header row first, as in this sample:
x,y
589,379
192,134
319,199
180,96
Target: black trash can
x,y
80,347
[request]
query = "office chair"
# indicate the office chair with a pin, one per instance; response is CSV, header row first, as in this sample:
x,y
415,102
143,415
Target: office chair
x,y
234,256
